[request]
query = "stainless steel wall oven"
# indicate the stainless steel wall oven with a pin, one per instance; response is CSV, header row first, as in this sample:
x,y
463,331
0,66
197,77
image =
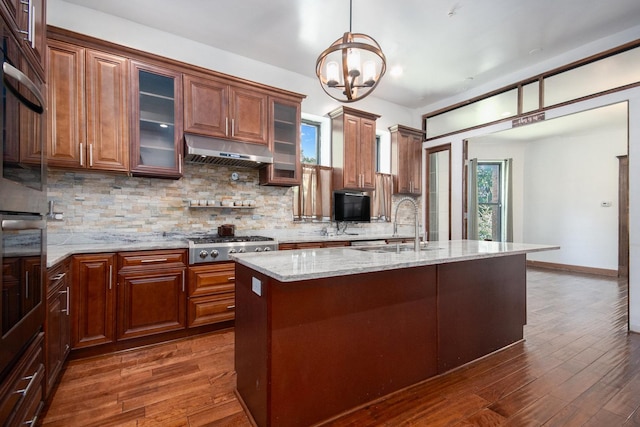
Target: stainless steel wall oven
x,y
23,202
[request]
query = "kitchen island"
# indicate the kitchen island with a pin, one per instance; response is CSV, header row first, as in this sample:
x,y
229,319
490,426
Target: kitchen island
x,y
323,331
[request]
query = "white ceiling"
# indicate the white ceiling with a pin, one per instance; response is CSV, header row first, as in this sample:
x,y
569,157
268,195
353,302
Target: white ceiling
x,y
444,46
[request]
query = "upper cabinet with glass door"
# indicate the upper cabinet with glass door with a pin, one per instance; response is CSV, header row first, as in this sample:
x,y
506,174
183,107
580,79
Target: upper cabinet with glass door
x,y
156,148
284,142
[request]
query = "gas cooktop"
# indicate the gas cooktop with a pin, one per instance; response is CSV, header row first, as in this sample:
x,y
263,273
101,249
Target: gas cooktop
x,y
226,239
215,248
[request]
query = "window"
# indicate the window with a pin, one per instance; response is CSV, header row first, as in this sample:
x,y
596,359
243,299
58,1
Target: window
x,y
490,195
312,199
310,142
489,201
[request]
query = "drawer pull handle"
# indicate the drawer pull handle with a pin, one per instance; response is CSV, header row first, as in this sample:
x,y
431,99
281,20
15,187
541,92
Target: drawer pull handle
x,y
58,276
32,381
66,309
33,421
154,260
231,279
231,307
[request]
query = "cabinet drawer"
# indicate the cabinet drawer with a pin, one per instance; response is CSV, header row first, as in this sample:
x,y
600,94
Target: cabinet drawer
x,y
212,279
151,258
58,276
211,309
21,393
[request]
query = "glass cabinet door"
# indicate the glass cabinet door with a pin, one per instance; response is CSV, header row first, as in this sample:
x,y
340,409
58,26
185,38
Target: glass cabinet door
x,y
285,143
157,127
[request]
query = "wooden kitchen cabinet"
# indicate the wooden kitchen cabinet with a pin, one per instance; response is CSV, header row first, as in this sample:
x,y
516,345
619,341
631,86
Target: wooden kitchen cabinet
x,y
219,108
29,25
156,121
151,292
58,322
353,141
32,24
211,293
284,142
88,122
22,392
406,159
93,300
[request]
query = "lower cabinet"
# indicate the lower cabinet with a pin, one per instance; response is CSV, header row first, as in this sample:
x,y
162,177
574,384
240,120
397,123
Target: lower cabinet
x,y
127,295
93,297
151,293
211,293
22,393
58,322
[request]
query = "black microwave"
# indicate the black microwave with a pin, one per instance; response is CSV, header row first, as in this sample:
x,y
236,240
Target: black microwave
x,y
351,207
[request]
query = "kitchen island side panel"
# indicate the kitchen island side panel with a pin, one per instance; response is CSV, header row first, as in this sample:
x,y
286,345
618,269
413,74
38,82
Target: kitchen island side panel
x,y
252,344
339,342
481,308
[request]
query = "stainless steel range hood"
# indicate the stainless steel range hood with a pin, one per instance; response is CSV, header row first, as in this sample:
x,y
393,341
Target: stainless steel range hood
x,y
202,149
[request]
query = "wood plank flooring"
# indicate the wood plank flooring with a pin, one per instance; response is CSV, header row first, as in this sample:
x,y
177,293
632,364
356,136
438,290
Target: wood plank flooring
x,y
578,366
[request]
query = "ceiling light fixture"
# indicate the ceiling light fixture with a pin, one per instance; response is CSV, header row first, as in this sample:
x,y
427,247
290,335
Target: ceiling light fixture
x,y
352,66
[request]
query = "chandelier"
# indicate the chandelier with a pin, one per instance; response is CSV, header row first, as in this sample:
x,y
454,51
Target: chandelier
x,y
352,66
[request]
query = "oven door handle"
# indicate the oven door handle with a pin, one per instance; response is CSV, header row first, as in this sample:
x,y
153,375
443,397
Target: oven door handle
x,y
20,224
10,70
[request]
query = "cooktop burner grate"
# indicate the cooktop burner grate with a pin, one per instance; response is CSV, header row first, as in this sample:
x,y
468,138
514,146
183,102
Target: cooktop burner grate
x,y
229,239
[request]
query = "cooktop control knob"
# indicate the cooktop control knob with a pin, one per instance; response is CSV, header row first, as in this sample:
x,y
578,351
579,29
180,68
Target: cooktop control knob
x,y
203,254
267,249
241,250
215,253
232,251
258,249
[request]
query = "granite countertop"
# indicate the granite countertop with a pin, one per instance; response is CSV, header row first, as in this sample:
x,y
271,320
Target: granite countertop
x,y
290,266
338,237
61,246
57,253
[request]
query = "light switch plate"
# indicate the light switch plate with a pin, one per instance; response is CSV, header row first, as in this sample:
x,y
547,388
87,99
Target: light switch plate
x,y
256,286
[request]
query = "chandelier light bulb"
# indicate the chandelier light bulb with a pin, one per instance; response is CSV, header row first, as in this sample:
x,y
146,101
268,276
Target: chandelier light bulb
x,y
369,73
333,74
353,63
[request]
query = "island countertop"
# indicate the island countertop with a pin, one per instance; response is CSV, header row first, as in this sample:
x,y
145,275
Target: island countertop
x,y
303,264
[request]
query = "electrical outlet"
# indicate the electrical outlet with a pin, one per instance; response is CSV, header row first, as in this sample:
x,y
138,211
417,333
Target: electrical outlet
x,y
256,286
605,204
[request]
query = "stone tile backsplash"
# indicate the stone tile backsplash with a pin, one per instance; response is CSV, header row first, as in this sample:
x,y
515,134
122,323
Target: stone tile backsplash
x,y
106,202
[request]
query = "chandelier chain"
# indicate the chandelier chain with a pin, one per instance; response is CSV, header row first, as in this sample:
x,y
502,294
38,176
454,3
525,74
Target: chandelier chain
x,y
350,15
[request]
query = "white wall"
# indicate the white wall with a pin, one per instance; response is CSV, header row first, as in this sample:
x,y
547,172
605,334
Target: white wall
x,y
559,184
566,180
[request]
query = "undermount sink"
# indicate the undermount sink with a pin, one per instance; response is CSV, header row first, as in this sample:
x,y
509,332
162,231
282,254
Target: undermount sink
x,y
405,247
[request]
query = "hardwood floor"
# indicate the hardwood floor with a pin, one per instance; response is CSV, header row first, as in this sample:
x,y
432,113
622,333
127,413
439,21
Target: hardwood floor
x,y
578,366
